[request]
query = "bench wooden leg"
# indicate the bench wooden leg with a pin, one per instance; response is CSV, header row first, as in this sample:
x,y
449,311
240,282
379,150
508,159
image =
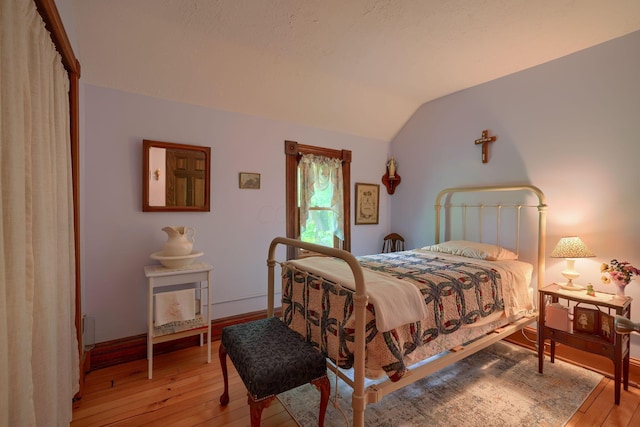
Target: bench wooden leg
x,y
222,353
255,409
324,386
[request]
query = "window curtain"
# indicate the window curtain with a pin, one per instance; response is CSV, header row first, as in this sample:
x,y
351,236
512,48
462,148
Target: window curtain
x,y
39,370
317,173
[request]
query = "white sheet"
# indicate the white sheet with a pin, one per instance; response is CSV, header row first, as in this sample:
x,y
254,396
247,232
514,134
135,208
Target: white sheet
x,y
396,302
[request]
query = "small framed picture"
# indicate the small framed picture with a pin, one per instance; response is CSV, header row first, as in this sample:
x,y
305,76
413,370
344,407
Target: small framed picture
x,y
586,320
250,180
607,327
367,200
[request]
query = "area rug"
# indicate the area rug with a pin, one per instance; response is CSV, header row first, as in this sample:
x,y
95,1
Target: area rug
x,y
498,386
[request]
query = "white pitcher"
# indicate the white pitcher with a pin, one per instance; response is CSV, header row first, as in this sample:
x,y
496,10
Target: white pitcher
x,y
179,242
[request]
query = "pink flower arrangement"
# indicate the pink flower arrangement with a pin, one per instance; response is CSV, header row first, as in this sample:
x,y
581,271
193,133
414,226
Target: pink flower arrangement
x,y
621,273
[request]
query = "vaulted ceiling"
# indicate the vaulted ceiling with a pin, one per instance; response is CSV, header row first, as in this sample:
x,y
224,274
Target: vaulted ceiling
x,y
356,66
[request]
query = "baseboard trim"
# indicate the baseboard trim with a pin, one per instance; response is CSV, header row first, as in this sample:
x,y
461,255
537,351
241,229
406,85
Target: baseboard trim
x,y
128,349
594,362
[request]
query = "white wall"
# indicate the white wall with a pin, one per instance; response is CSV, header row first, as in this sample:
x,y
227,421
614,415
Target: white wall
x,y
570,127
118,237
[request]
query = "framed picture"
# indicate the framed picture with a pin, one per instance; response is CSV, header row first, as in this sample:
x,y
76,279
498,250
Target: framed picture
x,y
250,180
586,320
367,201
606,327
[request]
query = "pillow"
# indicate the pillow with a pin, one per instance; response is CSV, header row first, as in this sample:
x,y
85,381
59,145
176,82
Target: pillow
x,y
468,249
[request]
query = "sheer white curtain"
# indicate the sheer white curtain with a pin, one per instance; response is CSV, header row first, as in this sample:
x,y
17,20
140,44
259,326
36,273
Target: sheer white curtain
x,y
316,173
38,346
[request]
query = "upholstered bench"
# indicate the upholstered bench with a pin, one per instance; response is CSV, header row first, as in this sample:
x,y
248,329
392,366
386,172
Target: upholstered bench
x,y
271,358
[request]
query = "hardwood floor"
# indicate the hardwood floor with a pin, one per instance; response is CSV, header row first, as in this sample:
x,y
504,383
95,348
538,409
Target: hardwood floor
x,y
185,391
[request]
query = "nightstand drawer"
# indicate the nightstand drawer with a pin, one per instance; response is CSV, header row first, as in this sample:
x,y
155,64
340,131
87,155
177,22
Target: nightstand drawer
x,y
585,336
602,348
579,341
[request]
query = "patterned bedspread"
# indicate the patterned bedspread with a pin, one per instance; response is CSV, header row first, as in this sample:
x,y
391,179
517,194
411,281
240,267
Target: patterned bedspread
x,y
458,294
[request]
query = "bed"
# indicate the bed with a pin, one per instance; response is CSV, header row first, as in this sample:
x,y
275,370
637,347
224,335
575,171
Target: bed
x,y
382,315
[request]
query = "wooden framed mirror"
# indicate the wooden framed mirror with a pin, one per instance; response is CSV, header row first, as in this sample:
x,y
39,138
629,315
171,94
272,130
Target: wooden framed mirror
x,y
175,177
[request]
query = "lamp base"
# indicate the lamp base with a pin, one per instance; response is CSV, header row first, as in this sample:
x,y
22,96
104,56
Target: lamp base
x,y
570,286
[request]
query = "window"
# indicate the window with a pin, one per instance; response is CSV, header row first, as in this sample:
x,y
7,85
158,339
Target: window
x,y
316,212
320,201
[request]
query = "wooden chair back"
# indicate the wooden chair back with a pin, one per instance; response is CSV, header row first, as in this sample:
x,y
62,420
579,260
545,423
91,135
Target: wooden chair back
x,y
393,243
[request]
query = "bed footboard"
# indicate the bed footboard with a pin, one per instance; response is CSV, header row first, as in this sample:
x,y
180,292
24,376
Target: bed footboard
x,y
359,398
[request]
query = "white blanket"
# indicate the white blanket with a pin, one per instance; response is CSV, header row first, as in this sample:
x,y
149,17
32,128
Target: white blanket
x,y
175,306
396,302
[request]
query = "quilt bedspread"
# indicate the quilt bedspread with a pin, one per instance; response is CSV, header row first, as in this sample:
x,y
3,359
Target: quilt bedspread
x,y
457,295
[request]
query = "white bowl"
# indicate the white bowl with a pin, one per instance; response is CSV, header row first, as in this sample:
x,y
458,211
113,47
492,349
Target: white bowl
x,y
176,261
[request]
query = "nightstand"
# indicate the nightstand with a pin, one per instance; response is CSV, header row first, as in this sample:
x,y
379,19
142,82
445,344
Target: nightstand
x,y
616,349
160,279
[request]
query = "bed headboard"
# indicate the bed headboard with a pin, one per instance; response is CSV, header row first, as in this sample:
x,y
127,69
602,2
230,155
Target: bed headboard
x,y
493,214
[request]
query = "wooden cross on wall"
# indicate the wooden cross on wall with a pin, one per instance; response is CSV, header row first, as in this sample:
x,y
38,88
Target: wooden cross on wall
x,y
485,140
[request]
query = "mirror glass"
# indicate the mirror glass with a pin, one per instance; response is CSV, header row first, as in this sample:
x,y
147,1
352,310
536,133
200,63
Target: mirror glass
x,y
175,177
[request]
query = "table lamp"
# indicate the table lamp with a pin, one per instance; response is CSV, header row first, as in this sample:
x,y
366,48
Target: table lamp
x,y
571,248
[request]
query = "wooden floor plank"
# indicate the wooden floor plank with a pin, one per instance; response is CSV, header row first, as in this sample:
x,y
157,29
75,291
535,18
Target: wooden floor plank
x,y
185,392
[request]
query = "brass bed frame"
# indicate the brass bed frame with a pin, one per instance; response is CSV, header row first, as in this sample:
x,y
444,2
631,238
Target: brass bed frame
x,y
362,396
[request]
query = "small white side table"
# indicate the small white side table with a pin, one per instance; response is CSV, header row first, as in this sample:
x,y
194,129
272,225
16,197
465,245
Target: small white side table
x,y
198,276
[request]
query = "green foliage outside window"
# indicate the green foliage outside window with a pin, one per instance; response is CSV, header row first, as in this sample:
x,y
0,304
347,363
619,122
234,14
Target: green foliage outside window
x,y
319,227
